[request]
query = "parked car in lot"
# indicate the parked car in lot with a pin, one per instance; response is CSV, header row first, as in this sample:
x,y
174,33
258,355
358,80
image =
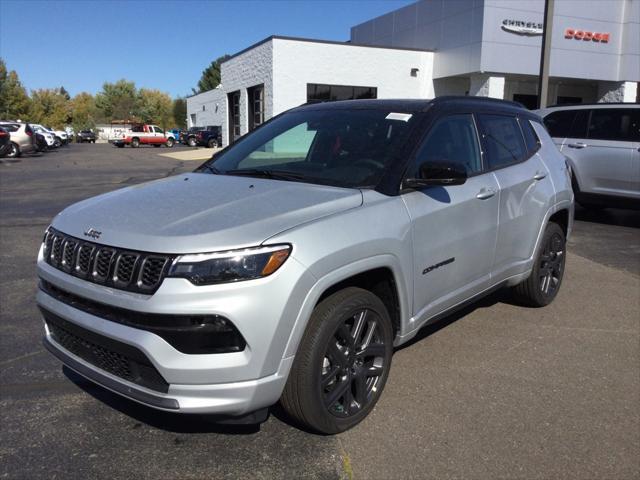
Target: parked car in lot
x,y
144,135
56,135
5,142
290,265
210,136
86,136
48,140
602,142
22,138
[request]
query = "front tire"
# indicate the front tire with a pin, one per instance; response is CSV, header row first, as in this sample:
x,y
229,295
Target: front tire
x,y
543,284
14,151
342,363
170,142
191,142
212,143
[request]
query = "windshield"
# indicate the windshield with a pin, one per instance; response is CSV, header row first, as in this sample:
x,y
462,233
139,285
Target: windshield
x,y
346,148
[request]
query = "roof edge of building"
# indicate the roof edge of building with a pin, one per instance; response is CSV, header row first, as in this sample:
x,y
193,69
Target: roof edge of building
x,y
315,40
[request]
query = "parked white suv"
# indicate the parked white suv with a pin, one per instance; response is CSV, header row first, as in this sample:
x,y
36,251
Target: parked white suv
x,y
290,265
602,142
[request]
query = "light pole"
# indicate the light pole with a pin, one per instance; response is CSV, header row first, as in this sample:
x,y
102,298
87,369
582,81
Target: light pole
x,y
545,55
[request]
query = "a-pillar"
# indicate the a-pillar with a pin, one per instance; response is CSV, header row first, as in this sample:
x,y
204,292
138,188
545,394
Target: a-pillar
x,y
609,92
483,85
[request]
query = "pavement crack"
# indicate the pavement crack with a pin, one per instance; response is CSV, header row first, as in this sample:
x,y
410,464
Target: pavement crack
x,y
21,357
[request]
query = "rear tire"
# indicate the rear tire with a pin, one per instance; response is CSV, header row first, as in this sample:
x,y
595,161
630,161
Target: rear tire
x,y
135,143
342,363
212,143
543,284
191,142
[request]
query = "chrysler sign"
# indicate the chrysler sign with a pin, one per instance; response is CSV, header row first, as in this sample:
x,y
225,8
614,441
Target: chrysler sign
x,y
520,27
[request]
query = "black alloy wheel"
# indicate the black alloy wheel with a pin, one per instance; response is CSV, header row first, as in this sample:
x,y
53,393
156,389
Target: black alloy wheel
x,y
342,362
551,265
543,284
353,364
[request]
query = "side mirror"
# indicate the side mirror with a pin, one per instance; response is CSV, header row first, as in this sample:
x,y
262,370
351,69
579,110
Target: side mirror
x,y
437,173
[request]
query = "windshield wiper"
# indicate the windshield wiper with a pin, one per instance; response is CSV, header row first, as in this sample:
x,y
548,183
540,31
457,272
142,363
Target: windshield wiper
x,y
211,168
272,174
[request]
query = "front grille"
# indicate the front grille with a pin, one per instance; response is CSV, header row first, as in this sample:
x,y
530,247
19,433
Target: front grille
x,y
192,334
140,272
117,358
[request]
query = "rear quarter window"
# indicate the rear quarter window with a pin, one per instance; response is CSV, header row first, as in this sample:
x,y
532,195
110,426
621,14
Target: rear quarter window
x,y
617,124
530,138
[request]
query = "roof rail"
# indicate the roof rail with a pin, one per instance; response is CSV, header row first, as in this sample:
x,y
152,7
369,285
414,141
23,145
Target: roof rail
x,y
471,98
597,104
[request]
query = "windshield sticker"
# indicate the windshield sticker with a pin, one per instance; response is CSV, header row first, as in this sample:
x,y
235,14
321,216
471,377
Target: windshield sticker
x,y
403,117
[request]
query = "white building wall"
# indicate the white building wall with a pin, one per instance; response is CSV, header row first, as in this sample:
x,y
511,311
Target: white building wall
x,y
250,68
297,63
207,108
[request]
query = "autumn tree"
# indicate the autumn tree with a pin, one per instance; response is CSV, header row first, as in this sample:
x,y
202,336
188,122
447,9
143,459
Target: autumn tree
x,y
14,101
83,112
50,107
117,101
154,106
210,78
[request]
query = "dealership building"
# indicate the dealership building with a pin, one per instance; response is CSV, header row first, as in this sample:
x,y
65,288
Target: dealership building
x,y
432,48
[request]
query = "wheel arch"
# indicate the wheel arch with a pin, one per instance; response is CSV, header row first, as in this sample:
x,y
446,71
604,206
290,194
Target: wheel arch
x,y
380,274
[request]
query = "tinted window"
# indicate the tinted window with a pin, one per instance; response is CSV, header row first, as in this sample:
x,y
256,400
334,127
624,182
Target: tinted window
x,y
530,138
10,127
322,93
452,139
349,148
559,123
579,126
503,140
613,124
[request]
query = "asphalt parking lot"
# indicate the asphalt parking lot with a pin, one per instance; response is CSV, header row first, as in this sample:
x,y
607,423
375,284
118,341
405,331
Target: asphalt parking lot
x,y
497,391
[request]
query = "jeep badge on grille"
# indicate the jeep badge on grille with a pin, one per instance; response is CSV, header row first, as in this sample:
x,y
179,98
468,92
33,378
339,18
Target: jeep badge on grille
x,y
92,233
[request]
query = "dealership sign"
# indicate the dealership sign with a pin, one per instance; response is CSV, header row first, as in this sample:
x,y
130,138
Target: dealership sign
x,y
520,27
586,35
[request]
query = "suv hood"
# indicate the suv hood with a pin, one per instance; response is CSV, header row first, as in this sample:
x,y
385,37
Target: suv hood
x,y
198,212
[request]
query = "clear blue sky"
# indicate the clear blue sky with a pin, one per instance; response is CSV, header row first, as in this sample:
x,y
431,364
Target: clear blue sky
x,y
160,44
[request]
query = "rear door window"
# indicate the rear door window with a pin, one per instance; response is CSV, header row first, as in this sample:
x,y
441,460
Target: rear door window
x,y
612,124
503,140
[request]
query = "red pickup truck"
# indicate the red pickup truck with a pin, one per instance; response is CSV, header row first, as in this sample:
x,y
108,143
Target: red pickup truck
x,y
144,135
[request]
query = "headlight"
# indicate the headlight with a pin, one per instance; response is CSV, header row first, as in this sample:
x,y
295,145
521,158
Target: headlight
x,y
232,266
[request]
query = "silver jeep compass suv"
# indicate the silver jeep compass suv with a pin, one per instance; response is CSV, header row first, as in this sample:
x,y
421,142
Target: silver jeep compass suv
x,y
288,266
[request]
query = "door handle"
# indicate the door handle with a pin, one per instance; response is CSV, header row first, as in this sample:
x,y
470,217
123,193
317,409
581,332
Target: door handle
x,y
539,175
577,145
485,193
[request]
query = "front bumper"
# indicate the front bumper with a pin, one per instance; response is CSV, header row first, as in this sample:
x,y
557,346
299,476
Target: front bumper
x,y
223,383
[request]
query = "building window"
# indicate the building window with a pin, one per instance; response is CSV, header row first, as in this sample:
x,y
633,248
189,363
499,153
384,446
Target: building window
x,y
329,93
256,106
529,101
234,116
203,108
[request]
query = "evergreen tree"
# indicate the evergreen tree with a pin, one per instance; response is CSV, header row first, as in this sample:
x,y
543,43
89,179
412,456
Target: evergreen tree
x,y
210,78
